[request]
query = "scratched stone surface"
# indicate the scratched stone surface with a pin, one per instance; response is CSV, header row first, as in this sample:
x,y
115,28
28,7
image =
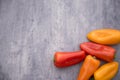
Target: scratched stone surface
x,y
31,31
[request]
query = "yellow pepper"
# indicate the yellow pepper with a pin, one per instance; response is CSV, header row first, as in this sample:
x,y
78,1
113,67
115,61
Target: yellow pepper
x,y
107,71
105,36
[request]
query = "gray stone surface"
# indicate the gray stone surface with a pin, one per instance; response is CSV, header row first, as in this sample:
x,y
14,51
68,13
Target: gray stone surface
x,y
31,31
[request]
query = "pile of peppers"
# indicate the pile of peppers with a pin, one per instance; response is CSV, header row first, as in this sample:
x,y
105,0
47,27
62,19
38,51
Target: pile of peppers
x,y
91,54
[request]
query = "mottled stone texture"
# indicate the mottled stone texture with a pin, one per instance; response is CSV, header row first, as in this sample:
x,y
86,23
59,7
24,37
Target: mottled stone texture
x,y
31,31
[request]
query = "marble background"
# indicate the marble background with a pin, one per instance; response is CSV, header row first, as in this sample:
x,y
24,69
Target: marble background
x,y
31,31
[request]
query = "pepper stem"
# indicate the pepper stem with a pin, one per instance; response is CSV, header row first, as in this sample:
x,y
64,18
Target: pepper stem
x,y
53,59
94,57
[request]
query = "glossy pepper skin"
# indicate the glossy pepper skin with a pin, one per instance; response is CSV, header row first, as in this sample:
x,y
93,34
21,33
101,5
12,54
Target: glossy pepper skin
x,y
103,52
65,59
90,65
105,36
107,71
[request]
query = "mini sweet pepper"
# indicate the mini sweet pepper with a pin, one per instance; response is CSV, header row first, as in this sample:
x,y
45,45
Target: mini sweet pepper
x,y
105,36
88,68
107,71
103,52
65,59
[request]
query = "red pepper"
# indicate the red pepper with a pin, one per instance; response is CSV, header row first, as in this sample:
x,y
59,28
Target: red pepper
x,y
103,52
64,59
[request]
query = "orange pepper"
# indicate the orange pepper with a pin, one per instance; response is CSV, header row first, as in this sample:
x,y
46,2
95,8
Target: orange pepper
x,y
105,36
88,68
107,71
